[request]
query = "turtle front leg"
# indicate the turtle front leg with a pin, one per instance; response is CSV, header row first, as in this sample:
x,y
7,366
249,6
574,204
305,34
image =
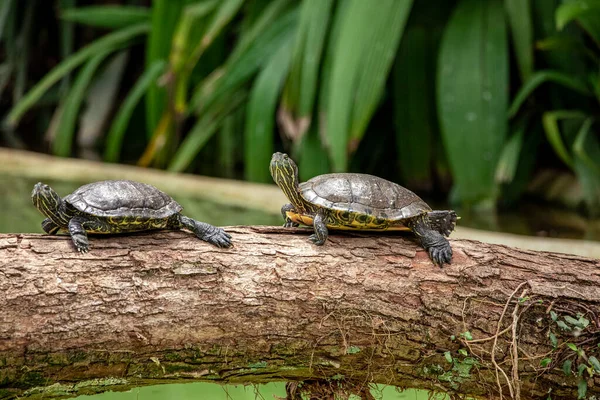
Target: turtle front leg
x,y
435,243
288,222
50,227
204,231
321,232
78,235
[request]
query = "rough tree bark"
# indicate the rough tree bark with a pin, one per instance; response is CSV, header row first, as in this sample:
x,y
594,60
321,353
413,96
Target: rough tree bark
x,y
166,307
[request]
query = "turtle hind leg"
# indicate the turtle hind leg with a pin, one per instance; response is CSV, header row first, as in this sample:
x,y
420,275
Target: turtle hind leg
x,y
443,221
321,232
202,230
288,222
434,242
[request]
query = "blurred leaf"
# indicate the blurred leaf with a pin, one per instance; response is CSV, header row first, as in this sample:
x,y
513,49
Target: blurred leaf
x,y
164,18
119,125
586,12
190,30
540,77
594,363
260,118
272,11
586,149
227,10
359,70
584,144
472,97
241,68
203,130
529,149
111,17
376,63
510,156
299,95
64,135
5,8
567,44
414,104
544,362
553,339
550,123
99,103
311,155
67,39
567,367
581,389
110,42
521,24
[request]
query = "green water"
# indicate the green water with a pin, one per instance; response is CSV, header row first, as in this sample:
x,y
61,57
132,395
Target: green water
x,y
19,216
212,391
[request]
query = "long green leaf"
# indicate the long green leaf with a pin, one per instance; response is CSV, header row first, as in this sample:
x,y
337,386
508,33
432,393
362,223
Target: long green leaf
x,y
70,111
356,23
239,70
119,125
67,41
586,147
300,92
311,155
203,130
227,10
585,12
260,119
111,41
5,8
539,77
272,11
550,123
165,15
511,153
472,97
570,10
414,105
111,17
376,63
521,28
205,90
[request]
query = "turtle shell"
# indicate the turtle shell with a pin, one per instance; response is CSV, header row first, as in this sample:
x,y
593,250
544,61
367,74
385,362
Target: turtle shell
x,y
123,199
363,194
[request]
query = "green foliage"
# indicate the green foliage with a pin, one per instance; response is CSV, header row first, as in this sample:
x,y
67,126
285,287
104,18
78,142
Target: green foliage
x,y
471,95
417,92
111,17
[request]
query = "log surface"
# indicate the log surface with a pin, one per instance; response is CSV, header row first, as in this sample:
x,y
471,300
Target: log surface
x,y
365,308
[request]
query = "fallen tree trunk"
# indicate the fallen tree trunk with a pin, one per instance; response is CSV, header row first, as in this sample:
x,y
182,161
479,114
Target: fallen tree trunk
x,y
166,307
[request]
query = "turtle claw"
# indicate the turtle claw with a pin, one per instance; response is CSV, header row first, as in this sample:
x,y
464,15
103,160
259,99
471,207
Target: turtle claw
x,y
441,255
81,244
219,238
315,239
290,224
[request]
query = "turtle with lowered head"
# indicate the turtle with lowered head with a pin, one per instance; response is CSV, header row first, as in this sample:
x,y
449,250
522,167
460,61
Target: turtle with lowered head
x,y
360,201
116,207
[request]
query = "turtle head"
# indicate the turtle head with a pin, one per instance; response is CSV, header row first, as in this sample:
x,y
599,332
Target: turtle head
x,y
284,172
46,200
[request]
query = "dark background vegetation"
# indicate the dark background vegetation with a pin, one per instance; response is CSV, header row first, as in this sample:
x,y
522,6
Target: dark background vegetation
x,y
480,102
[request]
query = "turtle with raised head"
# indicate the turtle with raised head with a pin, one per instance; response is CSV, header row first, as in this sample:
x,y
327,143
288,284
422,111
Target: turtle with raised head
x,y
116,207
360,201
